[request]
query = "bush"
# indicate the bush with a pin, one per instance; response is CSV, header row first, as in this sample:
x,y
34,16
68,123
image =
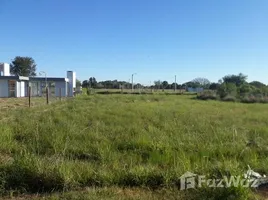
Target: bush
x,y
249,99
254,99
264,100
227,89
229,98
244,88
207,95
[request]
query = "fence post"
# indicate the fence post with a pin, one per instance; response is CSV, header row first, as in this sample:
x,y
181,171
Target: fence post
x,y
47,94
29,95
60,94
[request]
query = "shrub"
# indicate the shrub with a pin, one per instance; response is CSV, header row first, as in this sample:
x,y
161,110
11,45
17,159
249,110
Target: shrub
x,y
229,98
254,99
227,89
264,99
245,88
207,95
249,99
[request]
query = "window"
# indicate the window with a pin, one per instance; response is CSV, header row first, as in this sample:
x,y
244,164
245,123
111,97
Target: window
x,y
12,88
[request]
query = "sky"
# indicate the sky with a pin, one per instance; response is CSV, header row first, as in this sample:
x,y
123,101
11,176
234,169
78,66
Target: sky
x,y
156,39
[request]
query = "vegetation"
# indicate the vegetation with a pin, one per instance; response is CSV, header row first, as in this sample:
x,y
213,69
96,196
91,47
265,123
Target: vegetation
x,y
23,66
131,141
158,85
236,88
229,88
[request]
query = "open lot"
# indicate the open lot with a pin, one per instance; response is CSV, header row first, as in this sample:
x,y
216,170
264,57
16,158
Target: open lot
x,y
139,142
23,102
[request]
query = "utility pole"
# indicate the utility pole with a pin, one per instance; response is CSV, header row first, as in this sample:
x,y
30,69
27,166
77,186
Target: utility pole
x,y
175,87
151,87
40,73
132,87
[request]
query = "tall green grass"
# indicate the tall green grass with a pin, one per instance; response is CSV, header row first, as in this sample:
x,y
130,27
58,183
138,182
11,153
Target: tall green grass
x,y
131,141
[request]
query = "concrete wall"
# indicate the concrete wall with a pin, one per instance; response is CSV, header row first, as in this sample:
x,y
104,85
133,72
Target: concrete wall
x,y
3,88
18,87
63,86
22,89
4,69
72,82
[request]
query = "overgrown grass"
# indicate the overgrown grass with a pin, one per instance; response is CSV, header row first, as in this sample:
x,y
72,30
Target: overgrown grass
x,y
144,141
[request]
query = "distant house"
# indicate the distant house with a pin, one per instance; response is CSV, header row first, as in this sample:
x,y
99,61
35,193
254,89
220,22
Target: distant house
x,y
189,89
17,86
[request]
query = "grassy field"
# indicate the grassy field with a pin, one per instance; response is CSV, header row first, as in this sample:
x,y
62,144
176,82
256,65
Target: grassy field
x,y
130,147
136,91
23,102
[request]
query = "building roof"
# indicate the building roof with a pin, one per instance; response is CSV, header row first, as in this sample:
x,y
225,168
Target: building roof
x,y
19,78
24,78
48,79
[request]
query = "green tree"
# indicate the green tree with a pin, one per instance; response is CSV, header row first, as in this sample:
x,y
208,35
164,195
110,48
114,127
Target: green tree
x,y
165,85
23,66
244,89
214,86
227,89
190,84
85,84
92,82
201,82
158,84
238,80
264,90
257,84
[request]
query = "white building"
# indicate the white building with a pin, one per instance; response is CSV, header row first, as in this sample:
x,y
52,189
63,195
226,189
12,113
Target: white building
x,y
17,86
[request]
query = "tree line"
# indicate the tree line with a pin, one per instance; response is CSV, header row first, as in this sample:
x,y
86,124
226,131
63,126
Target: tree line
x,y
232,85
237,88
115,84
228,84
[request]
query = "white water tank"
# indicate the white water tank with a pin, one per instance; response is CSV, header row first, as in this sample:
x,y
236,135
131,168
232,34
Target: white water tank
x,y
4,69
72,82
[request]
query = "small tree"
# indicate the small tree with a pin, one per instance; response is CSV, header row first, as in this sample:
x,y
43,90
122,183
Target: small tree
x,y
85,84
165,84
244,89
201,82
158,84
92,82
227,89
214,86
